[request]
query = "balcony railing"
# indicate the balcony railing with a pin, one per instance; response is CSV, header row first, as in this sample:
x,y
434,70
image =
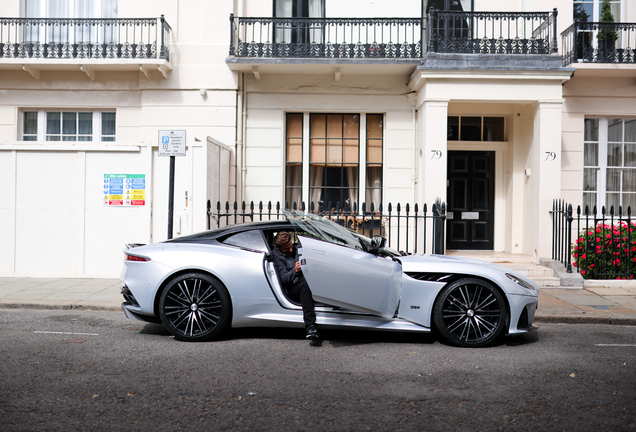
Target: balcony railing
x,y
85,38
340,38
492,32
595,42
395,38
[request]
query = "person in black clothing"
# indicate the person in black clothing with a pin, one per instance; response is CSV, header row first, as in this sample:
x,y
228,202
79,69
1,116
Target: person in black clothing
x,y
293,281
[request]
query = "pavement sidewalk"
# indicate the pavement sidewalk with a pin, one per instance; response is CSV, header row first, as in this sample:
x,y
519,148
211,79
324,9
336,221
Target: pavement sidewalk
x,y
601,305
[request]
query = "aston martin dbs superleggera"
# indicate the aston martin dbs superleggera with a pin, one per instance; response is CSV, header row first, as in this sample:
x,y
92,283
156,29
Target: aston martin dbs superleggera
x,y
202,284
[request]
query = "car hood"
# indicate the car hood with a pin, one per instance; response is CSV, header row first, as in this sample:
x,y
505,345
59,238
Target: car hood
x,y
468,266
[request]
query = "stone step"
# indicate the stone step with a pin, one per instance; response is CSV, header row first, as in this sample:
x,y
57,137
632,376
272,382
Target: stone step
x,y
522,264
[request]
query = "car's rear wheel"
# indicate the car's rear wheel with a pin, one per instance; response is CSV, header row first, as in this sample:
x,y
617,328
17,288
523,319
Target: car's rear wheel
x,y
470,313
194,307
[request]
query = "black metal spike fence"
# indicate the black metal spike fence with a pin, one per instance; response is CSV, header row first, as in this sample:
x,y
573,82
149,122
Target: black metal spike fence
x,y
604,245
405,227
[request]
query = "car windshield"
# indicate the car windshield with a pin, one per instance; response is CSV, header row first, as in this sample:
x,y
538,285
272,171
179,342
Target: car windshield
x,y
322,229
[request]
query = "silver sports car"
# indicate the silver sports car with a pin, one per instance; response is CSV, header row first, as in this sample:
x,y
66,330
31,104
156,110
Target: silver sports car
x,y
202,284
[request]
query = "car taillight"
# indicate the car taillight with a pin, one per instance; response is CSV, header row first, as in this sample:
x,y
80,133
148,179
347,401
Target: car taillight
x,y
128,257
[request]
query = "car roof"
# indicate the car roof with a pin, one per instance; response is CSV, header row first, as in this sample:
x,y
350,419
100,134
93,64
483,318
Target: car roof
x,y
213,234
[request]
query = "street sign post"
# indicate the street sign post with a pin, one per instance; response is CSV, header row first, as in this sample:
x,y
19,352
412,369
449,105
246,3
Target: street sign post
x,y
171,143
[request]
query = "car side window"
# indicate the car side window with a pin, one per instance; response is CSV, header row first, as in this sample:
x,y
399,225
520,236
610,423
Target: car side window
x,y
248,240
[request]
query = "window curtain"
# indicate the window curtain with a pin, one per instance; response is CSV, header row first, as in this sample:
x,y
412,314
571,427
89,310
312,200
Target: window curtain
x,y
316,174
352,181
284,9
315,11
374,187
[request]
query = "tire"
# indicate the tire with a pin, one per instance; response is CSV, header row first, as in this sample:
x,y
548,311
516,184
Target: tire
x,y
470,313
194,307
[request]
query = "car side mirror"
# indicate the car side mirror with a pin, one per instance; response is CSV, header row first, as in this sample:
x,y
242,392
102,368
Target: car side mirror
x,y
377,245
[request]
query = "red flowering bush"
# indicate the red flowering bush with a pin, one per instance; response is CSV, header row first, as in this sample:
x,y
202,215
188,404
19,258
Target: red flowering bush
x,y
606,252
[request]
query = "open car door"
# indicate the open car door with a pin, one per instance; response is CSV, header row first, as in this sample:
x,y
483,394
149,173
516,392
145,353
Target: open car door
x,y
340,272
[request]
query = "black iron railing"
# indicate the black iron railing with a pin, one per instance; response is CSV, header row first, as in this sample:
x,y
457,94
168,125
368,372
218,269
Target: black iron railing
x,y
405,228
326,37
604,245
85,38
492,32
595,42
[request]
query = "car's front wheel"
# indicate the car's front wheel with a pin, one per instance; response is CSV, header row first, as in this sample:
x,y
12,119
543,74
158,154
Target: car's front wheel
x,y
194,307
470,313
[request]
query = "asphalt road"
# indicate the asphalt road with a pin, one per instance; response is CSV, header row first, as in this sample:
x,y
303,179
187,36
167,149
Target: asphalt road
x,y
81,370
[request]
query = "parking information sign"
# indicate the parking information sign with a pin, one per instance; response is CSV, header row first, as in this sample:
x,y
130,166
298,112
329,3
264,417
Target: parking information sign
x,y
172,143
124,190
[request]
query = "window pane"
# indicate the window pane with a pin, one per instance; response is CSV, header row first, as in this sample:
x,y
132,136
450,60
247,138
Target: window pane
x,y
334,151
452,131
470,129
374,126
493,128
629,180
614,155
53,123
108,139
629,201
29,138
318,126
612,200
85,121
53,138
69,123
350,151
294,150
30,123
584,12
591,130
590,179
294,125
334,126
614,179
614,130
317,151
590,154
589,201
108,124
630,130
630,155
69,138
351,126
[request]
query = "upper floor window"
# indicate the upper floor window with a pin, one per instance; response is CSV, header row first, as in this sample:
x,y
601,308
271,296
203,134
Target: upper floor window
x,y
68,126
298,33
590,10
469,128
70,8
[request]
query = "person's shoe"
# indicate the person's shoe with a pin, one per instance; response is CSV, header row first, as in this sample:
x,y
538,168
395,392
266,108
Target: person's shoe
x,y
312,332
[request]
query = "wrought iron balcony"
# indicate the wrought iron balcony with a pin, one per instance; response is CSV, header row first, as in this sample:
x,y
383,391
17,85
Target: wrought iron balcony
x,y
395,38
492,32
334,38
86,38
595,42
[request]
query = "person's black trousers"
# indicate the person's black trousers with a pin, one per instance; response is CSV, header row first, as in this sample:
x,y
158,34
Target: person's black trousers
x,y
300,292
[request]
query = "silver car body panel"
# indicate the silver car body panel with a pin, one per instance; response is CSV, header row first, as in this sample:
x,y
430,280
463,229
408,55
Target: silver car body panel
x,y
350,278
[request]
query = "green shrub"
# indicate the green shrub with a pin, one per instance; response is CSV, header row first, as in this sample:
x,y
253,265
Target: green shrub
x,y
606,252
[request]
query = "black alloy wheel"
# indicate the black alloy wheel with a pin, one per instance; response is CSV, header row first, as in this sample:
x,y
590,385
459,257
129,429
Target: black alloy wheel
x,y
470,313
194,307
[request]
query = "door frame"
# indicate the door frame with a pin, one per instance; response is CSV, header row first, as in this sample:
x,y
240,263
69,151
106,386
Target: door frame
x,y
500,149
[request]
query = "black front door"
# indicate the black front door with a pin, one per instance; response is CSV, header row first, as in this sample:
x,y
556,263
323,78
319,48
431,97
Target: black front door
x,y
471,204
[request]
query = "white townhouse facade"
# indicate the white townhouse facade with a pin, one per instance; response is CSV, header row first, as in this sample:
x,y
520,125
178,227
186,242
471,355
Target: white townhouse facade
x,y
495,107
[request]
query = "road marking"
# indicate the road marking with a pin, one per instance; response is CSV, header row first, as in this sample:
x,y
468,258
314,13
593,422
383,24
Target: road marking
x,y
617,345
66,333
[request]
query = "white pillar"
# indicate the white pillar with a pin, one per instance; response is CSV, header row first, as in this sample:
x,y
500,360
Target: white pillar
x,y
432,155
546,175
